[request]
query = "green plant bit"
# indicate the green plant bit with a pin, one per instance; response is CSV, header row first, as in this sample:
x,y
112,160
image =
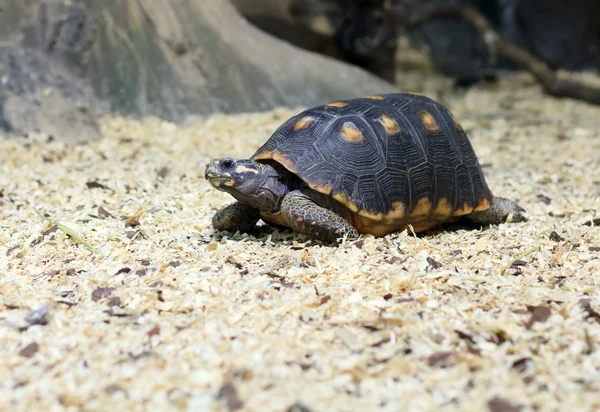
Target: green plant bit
x,y
69,232
521,256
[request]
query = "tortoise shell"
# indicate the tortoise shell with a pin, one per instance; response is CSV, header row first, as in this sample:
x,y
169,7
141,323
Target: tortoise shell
x,y
391,159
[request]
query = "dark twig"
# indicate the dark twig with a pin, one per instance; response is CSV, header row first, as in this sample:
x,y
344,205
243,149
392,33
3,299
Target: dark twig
x,y
550,81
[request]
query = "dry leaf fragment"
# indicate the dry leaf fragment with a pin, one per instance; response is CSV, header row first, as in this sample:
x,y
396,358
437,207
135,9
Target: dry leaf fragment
x,y
359,243
298,407
110,389
12,249
325,299
29,350
122,270
433,264
538,314
102,212
101,293
594,222
519,262
465,336
229,395
234,261
39,239
154,331
132,222
521,365
163,172
442,359
94,184
590,312
114,301
555,237
544,199
498,404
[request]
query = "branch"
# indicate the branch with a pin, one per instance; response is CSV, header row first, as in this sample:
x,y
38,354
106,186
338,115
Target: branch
x,y
551,83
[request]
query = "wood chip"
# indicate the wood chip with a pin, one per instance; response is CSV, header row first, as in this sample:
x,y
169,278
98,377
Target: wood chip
x,y
271,321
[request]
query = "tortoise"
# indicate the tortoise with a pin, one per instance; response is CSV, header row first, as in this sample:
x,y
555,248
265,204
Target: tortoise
x,y
370,165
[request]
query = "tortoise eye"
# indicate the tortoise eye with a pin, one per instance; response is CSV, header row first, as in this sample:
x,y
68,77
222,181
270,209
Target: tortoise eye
x,y
227,163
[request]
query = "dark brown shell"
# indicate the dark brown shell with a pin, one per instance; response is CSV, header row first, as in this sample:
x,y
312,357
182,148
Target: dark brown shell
x,y
392,158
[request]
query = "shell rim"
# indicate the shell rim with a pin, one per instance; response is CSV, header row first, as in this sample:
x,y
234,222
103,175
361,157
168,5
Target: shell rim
x,y
353,207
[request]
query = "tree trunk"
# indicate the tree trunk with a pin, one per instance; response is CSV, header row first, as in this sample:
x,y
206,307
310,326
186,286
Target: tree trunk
x,y
64,63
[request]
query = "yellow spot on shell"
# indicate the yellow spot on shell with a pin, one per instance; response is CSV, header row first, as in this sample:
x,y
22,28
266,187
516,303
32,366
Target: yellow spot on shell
x,y
422,226
456,123
285,160
390,125
465,210
351,133
303,123
416,94
264,155
397,212
341,197
325,189
484,204
443,209
371,215
428,121
337,104
374,97
242,169
422,209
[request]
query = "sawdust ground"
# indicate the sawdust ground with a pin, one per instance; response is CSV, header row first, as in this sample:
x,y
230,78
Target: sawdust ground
x,y
169,315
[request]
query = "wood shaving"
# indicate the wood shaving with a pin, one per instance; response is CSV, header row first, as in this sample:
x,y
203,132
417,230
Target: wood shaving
x,y
174,316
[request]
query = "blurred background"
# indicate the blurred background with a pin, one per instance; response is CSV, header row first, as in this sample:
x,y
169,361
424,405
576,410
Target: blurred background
x,y
65,64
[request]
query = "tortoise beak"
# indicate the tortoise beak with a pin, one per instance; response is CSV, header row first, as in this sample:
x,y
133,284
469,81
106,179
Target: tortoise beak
x,y
215,177
210,171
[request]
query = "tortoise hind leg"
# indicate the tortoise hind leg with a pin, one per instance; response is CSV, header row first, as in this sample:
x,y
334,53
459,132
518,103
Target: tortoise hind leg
x,y
303,215
498,212
236,216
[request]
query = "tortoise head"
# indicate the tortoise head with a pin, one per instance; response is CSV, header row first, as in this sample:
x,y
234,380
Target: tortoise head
x,y
256,184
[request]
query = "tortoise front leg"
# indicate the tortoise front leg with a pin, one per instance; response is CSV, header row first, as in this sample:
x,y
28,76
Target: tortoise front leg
x,y
498,213
303,215
236,216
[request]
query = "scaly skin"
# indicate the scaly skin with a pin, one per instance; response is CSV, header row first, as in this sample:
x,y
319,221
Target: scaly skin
x,y
303,215
236,216
498,213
